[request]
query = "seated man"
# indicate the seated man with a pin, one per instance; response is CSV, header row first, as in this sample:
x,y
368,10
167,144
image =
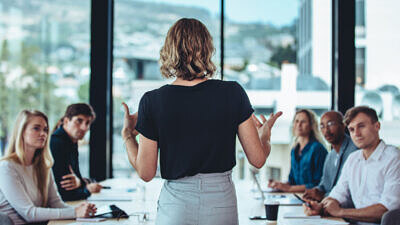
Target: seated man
x,y
333,129
370,178
71,128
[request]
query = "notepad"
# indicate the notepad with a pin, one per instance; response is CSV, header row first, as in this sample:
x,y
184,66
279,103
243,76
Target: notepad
x,y
313,222
90,219
270,190
300,216
110,197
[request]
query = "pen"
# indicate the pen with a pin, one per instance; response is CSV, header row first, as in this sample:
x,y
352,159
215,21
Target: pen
x,y
106,187
298,197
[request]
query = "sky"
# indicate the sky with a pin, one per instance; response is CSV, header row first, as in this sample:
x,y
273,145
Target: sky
x,y
277,12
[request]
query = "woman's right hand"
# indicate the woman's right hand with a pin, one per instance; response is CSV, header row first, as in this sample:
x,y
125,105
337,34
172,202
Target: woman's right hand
x,y
264,127
129,124
279,185
271,183
85,210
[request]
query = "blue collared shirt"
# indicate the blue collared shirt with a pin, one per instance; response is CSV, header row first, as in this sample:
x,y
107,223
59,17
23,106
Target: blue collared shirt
x,y
307,168
334,163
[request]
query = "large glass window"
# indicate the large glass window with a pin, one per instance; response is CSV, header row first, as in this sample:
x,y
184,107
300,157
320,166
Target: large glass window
x,y
377,78
282,57
44,61
140,28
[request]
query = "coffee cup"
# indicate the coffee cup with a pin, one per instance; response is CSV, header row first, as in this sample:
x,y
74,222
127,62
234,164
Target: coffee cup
x,y
271,209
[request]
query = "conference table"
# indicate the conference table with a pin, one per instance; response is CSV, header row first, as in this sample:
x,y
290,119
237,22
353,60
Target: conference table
x,y
139,200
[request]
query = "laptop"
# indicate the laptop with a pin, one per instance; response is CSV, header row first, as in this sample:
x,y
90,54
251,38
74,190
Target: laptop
x,y
284,199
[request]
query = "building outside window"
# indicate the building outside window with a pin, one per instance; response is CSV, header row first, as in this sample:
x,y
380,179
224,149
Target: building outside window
x,y
44,61
377,76
140,28
262,52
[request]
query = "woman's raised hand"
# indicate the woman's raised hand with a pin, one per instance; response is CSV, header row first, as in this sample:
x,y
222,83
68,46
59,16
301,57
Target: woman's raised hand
x,y
264,127
128,129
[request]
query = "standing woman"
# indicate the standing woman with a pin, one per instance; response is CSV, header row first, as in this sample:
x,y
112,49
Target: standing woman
x,y
194,122
307,156
28,193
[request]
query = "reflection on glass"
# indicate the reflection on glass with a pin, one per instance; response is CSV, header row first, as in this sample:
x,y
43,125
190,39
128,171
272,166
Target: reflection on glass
x,y
44,60
377,78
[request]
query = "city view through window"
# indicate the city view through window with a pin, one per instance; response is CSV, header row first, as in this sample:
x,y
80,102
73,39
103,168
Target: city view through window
x,y
44,61
377,79
262,51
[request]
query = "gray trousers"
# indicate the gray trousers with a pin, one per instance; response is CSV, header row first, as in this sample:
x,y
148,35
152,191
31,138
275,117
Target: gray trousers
x,y
203,199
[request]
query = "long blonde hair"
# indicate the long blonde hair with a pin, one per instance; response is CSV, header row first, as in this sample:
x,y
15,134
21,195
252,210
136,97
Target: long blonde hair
x,y
42,160
314,133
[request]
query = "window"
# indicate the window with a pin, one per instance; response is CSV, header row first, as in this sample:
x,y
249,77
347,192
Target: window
x,y
377,79
140,28
360,18
360,66
44,61
282,57
274,173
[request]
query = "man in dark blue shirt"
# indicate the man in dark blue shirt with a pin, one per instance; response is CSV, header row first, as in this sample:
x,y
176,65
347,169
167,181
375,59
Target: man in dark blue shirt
x,y
333,129
71,128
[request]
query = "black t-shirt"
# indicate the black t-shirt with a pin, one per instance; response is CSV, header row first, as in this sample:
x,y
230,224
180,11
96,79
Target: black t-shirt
x,y
195,126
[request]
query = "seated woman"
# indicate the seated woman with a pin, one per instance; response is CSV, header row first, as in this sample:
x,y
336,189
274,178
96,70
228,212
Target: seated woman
x,y
307,156
28,193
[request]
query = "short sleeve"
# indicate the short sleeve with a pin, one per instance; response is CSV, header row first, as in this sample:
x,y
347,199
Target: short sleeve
x,y
145,123
244,108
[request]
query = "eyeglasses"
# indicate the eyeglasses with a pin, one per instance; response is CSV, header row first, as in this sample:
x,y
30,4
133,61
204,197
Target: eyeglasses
x,y
329,124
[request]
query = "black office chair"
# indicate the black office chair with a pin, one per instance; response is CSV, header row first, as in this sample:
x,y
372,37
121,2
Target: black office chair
x,y
391,217
5,220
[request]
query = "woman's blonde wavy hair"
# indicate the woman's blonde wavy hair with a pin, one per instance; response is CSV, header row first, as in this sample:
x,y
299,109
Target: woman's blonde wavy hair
x,y
187,51
314,133
42,160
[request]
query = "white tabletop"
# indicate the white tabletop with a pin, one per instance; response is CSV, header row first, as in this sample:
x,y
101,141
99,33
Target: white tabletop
x,y
145,195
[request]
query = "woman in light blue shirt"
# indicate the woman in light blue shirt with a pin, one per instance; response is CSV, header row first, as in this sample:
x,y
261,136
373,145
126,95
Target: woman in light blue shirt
x,y
307,156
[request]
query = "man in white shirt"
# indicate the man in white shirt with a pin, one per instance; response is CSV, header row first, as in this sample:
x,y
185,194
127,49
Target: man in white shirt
x,y
370,178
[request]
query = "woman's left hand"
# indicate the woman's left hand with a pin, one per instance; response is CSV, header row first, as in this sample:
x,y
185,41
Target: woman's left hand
x,y
264,127
129,124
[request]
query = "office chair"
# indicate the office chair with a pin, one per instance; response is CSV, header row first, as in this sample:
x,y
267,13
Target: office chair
x,y
391,217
